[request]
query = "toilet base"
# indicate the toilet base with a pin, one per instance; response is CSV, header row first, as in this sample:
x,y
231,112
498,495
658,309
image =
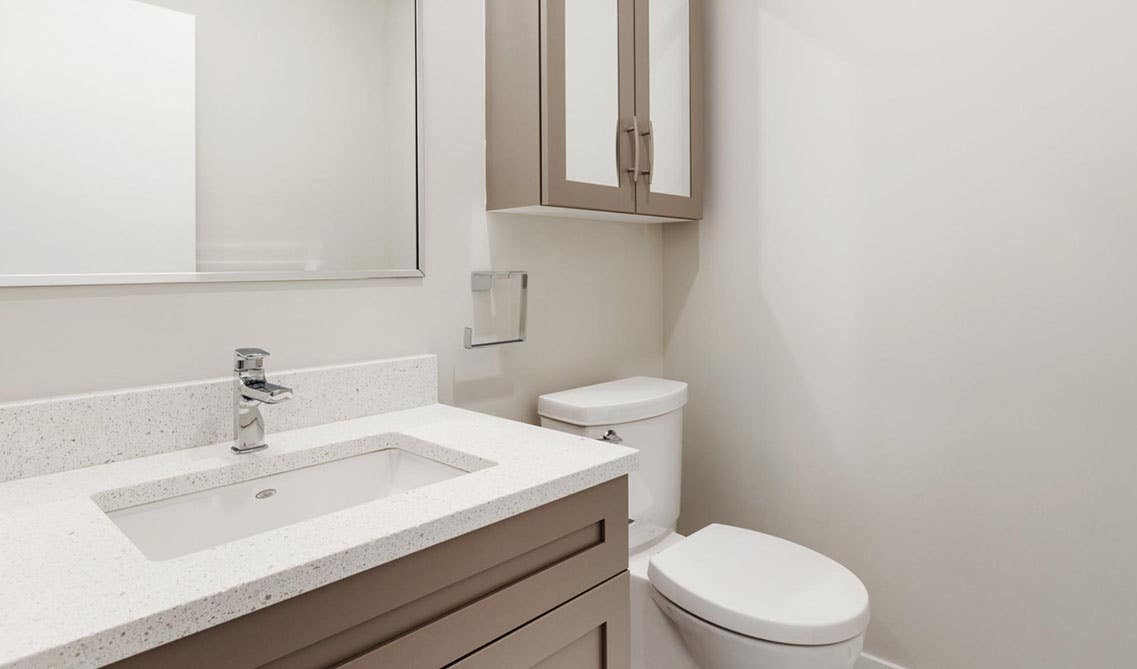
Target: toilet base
x,y
656,641
664,636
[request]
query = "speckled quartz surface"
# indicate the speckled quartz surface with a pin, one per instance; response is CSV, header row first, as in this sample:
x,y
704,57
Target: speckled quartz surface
x,y
76,592
60,433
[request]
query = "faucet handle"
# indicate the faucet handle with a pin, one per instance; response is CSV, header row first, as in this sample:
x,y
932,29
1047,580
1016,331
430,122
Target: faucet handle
x,y
249,359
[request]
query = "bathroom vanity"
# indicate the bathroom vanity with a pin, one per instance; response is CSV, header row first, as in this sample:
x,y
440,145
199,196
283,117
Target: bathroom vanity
x,y
548,585
379,530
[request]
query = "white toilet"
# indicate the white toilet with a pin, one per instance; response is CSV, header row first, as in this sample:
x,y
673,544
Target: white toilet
x,y
724,597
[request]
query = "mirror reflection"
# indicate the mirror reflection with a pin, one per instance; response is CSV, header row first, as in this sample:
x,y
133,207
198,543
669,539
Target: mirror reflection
x,y
188,136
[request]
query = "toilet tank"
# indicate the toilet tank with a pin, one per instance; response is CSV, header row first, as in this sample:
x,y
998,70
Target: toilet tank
x,y
647,414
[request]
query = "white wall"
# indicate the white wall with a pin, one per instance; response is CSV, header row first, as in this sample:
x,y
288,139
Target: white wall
x,y
595,302
908,319
96,137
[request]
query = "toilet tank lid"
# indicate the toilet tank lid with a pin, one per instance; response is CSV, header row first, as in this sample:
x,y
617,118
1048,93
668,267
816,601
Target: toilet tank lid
x,y
615,402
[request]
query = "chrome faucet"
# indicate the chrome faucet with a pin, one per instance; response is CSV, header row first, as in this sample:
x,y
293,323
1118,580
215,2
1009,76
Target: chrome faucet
x,y
250,391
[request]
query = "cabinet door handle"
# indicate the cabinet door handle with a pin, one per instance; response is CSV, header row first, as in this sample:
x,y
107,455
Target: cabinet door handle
x,y
633,131
649,140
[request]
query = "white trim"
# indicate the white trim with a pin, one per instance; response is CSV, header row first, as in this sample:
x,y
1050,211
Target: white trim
x,y
867,661
587,214
27,280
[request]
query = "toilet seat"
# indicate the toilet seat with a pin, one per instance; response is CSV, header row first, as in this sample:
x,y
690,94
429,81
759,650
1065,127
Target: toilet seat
x,y
762,587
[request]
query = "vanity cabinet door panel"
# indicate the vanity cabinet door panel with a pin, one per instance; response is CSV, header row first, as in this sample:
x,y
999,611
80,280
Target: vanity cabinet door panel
x,y
669,107
588,102
470,627
589,632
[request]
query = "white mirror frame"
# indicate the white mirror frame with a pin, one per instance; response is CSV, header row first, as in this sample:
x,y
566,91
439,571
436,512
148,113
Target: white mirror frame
x,y
28,280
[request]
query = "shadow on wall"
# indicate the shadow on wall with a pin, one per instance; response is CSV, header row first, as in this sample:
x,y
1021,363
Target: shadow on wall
x,y
681,258
909,334
761,301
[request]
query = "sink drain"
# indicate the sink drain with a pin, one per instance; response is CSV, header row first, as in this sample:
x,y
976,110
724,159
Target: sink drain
x,y
266,493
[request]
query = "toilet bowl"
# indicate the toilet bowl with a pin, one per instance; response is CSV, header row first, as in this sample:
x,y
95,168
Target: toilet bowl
x,y
713,647
667,636
724,597
741,598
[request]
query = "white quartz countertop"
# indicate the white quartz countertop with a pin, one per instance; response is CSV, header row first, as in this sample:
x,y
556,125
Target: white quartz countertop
x,y
76,592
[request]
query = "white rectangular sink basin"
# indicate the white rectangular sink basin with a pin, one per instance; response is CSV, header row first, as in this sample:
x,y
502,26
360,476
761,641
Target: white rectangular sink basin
x,y
176,526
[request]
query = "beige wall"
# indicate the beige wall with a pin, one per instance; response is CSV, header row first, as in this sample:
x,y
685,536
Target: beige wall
x,y
595,309
909,321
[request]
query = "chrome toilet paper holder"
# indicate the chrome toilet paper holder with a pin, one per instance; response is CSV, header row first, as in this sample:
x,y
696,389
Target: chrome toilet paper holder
x,y
482,282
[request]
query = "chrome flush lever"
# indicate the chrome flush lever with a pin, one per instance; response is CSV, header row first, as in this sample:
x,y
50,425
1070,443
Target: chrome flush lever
x,y
611,437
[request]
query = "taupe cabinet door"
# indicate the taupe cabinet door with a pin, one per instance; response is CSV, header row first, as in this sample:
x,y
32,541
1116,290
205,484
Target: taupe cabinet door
x,y
669,107
588,110
611,120
590,632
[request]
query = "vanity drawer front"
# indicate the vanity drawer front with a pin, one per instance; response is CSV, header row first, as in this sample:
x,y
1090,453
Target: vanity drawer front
x,y
589,632
433,607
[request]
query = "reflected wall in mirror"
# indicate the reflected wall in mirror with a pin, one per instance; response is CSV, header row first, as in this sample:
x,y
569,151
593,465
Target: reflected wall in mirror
x,y
164,140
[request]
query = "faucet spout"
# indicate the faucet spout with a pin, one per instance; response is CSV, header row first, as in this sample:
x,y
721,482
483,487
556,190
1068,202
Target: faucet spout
x,y
263,391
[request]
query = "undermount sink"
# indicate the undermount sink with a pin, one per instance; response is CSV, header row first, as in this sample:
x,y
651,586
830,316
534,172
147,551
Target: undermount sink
x,y
177,526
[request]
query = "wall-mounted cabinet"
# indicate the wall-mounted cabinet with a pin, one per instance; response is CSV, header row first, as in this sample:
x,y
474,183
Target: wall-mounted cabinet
x,y
594,108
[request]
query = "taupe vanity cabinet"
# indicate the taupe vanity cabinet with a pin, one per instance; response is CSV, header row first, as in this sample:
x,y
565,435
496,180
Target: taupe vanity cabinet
x,y
547,588
594,108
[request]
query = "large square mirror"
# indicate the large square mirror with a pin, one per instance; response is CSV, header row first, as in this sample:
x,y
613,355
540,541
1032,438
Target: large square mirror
x,y
208,140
